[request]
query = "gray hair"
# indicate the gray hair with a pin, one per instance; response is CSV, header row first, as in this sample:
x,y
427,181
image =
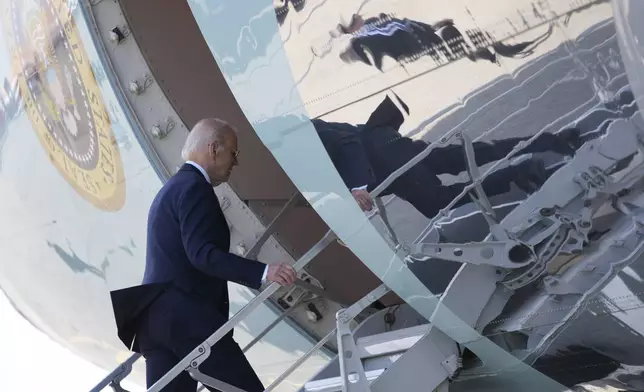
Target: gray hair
x,y
203,133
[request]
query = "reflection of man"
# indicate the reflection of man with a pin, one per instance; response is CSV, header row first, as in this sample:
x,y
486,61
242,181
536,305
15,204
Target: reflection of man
x,y
184,296
366,155
408,40
400,39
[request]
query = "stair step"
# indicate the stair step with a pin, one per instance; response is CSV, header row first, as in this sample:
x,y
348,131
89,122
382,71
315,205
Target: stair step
x,y
378,345
334,384
388,343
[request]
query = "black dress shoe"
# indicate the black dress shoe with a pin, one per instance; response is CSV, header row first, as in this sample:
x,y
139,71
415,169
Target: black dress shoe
x,y
530,175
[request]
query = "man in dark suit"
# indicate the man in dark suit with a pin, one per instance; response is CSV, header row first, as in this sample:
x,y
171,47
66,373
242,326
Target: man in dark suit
x,y
406,40
400,39
184,296
365,155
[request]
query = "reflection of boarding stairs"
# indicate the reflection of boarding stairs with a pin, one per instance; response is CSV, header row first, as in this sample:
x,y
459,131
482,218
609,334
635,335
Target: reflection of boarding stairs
x,y
387,352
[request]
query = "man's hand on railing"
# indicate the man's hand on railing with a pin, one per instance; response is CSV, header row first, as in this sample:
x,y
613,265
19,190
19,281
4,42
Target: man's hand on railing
x,y
363,198
282,274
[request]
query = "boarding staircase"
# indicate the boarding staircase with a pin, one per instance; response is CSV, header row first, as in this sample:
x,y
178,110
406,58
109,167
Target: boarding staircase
x,y
363,358
380,355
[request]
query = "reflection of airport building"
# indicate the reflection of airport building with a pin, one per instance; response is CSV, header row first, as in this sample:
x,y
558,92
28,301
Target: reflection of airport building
x,y
536,288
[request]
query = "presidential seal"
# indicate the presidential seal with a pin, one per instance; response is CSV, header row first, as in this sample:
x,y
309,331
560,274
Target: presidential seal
x,y
63,101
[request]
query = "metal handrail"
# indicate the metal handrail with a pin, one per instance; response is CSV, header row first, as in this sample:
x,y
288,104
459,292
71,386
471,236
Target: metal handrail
x,y
117,375
200,353
351,312
344,316
125,368
270,229
272,325
300,361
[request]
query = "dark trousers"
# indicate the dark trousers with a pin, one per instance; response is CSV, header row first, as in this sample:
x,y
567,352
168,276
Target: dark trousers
x,y
421,187
429,198
175,324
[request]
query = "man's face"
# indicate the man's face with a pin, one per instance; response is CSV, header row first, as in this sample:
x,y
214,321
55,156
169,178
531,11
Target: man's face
x,y
224,155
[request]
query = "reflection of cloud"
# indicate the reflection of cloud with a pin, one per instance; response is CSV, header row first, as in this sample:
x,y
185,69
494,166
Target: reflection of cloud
x,y
253,32
247,34
76,264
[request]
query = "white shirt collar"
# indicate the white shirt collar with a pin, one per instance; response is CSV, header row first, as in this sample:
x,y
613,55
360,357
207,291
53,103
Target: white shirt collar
x,y
201,169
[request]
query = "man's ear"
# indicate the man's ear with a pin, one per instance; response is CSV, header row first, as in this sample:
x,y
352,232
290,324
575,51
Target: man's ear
x,y
212,149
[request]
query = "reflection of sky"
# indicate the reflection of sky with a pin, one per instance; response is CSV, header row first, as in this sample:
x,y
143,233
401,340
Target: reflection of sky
x,y
252,31
252,51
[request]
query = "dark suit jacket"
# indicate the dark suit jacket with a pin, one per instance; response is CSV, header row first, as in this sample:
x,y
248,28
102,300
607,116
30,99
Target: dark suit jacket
x,y
342,142
187,247
352,148
402,44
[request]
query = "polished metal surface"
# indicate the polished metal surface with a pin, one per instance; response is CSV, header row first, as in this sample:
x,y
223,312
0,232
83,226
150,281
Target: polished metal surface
x,y
493,72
